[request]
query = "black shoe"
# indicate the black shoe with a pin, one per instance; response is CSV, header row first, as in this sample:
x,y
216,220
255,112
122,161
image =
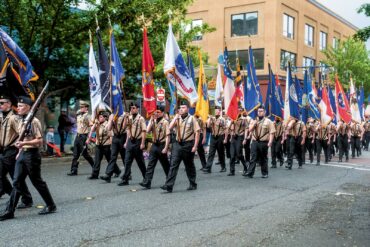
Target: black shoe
x,y
23,205
281,163
218,163
223,169
265,176
72,173
288,167
92,177
300,167
167,188
106,178
6,216
205,170
123,183
202,169
273,166
192,187
145,185
116,174
48,210
231,174
237,162
248,175
129,178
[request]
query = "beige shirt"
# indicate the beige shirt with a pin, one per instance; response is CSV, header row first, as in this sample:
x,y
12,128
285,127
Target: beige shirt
x,y
238,126
83,123
297,129
343,129
136,126
279,129
262,131
34,132
218,126
356,130
161,130
366,126
188,127
323,133
103,135
310,127
118,125
9,130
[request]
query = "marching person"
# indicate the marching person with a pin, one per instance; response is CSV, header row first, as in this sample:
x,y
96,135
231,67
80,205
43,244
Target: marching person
x,y
344,135
247,139
356,138
83,129
119,127
296,137
103,142
276,147
64,127
202,141
217,124
263,131
366,128
9,123
322,141
160,129
135,143
333,140
28,163
187,138
310,138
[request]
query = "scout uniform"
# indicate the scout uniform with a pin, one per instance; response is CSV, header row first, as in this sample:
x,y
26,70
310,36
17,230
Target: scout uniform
x,y
296,134
276,147
200,149
182,151
322,139
236,130
103,144
366,137
333,140
259,147
218,126
136,126
161,131
247,139
356,132
83,129
29,163
343,130
310,139
117,147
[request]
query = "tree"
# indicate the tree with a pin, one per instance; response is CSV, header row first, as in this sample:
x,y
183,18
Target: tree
x,y
350,59
364,34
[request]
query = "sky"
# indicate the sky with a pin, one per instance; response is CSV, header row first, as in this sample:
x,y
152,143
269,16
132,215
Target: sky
x,y
348,10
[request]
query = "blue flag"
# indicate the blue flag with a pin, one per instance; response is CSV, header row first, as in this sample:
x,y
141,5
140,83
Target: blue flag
x,y
252,92
333,104
361,102
273,104
4,62
192,74
173,98
103,71
299,95
291,107
305,105
117,75
313,110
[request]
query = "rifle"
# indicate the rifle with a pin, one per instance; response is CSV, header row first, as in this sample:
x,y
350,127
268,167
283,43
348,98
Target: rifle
x,y
32,113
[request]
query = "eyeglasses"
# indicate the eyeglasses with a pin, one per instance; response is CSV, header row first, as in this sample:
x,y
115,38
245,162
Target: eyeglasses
x,y
3,102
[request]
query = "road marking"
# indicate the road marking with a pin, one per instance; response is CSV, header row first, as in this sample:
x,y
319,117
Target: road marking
x,y
348,167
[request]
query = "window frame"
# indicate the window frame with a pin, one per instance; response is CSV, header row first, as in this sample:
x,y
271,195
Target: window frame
x,y
323,46
286,26
307,37
232,34
290,54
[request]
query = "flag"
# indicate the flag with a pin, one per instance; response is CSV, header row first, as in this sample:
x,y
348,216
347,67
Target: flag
x,y
333,104
312,105
239,80
173,98
291,107
305,105
219,87
343,107
361,102
94,81
229,87
150,103
297,85
117,75
20,62
192,73
176,70
252,92
280,93
202,107
273,105
325,109
355,110
4,62
103,70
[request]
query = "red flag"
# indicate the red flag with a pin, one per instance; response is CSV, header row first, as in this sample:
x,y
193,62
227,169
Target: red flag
x,y
342,102
147,80
233,109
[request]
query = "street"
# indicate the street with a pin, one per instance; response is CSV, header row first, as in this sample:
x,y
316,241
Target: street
x,y
325,205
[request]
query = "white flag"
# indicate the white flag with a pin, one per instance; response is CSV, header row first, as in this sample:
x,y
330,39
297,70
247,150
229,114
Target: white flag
x,y
355,110
219,89
176,70
94,82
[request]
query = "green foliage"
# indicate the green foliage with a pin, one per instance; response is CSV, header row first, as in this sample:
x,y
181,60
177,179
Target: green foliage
x,y
350,59
364,34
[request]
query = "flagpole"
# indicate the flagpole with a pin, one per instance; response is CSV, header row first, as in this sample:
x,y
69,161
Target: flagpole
x,y
110,62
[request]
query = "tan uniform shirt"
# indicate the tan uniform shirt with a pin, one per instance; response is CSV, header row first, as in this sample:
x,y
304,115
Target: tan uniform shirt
x,y
9,130
118,125
366,126
297,129
356,130
136,126
323,133
262,131
310,127
34,132
161,131
218,126
188,127
201,124
333,129
83,123
343,129
103,135
238,127
279,129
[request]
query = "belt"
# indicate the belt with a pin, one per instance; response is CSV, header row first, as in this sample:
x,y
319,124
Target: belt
x,y
262,141
133,140
81,135
185,142
30,149
159,143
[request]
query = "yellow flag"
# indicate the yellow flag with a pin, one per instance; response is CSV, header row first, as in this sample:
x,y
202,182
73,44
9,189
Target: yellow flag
x,y
202,107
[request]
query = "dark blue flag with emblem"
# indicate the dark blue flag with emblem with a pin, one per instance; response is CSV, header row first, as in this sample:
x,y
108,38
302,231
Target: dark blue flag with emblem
x,y
104,69
4,62
192,74
299,95
291,106
332,104
273,104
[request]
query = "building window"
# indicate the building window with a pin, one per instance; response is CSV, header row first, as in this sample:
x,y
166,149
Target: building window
x,y
258,54
309,35
288,26
308,62
194,24
285,57
323,40
244,24
335,43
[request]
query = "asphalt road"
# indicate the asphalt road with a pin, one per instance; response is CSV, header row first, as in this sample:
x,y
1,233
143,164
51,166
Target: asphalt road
x,y
326,205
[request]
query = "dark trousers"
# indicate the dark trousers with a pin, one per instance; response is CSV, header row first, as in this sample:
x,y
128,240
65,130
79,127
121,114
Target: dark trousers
x,y
117,147
216,144
277,152
182,152
295,148
78,149
63,137
201,153
259,151
50,150
28,164
156,154
236,152
100,152
310,148
343,146
247,151
367,140
133,151
331,148
227,147
7,166
322,144
355,146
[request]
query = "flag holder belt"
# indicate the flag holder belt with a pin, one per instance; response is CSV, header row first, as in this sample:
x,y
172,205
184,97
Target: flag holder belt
x,y
216,136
